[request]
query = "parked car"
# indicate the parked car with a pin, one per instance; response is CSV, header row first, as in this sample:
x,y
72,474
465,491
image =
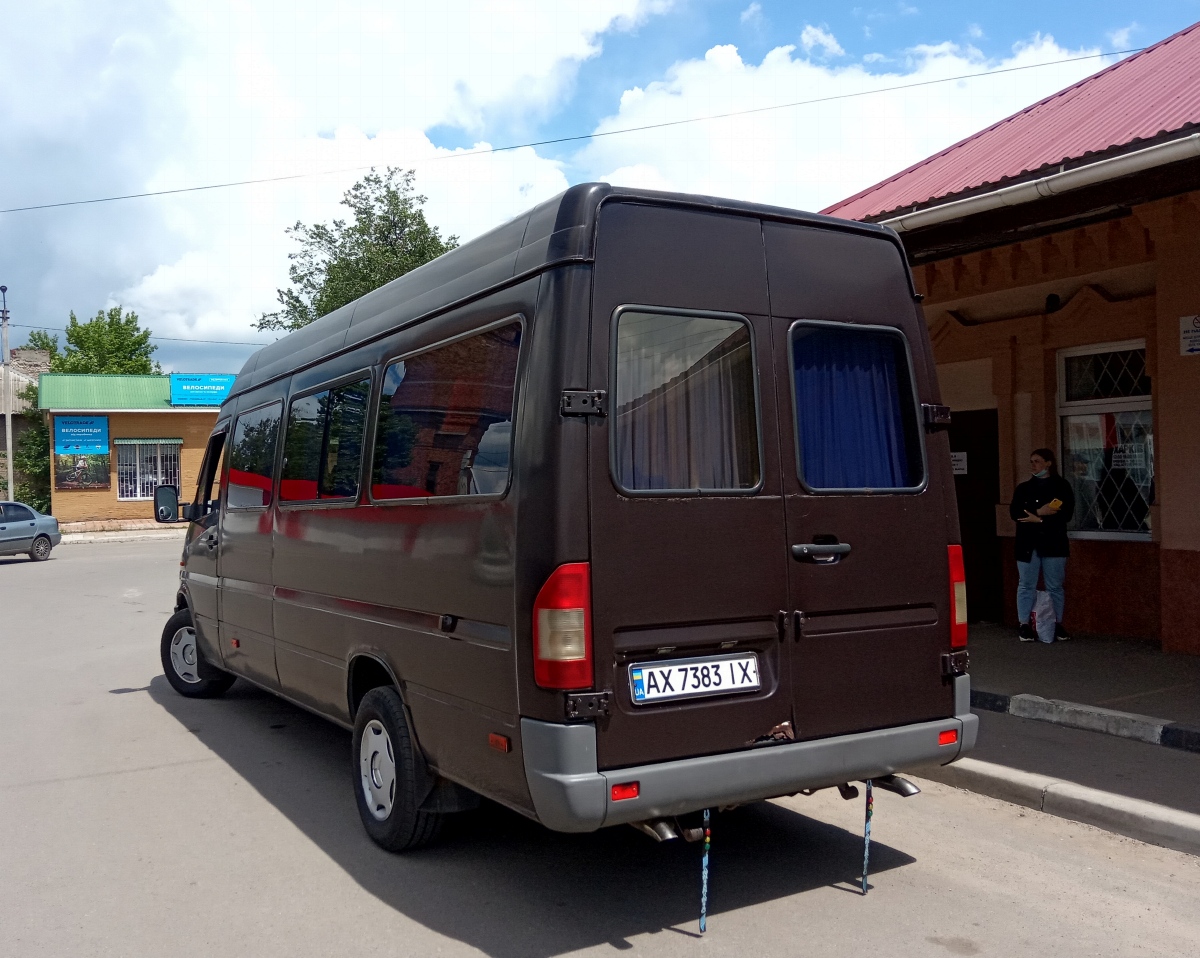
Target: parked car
x,y
24,529
637,505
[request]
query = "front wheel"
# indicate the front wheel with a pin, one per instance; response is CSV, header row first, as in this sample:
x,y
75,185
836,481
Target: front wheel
x,y
385,770
183,664
40,551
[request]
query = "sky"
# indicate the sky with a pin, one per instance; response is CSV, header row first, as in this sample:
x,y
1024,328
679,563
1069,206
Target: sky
x,y
111,97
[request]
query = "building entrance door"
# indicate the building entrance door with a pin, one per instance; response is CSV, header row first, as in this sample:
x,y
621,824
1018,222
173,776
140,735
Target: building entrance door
x,y
975,448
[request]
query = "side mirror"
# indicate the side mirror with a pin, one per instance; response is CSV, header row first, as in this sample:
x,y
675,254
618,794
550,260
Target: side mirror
x,y
166,504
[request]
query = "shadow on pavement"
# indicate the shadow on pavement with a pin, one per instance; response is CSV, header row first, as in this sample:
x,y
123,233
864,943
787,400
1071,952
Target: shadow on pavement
x,y
500,882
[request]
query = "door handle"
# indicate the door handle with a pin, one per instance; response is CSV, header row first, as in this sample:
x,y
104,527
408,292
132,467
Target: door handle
x,y
210,540
820,551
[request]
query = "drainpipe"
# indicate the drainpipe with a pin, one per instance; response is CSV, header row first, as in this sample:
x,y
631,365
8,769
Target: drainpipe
x,y
1056,183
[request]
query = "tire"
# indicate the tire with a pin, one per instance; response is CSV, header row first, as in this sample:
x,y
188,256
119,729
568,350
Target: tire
x,y
387,773
183,664
40,551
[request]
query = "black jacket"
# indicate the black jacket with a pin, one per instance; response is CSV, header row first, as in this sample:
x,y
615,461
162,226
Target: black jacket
x,y
1048,537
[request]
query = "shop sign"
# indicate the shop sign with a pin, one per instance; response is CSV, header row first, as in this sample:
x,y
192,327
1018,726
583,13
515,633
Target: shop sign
x,y
958,461
81,435
1189,335
199,390
1129,455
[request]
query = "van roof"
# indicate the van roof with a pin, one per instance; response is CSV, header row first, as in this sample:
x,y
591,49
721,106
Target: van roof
x,y
560,230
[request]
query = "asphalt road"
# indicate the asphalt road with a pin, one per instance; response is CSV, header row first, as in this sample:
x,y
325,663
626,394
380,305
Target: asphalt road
x,y
134,822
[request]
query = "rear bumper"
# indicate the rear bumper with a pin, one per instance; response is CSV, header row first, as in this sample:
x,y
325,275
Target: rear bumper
x,y
570,795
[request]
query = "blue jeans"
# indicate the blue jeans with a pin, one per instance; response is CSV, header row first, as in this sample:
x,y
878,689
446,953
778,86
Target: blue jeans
x,y
1054,570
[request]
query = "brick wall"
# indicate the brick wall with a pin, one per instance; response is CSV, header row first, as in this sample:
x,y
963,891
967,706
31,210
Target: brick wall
x,y
86,505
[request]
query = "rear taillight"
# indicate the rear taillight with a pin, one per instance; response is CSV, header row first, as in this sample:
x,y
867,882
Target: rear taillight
x,y
562,629
958,599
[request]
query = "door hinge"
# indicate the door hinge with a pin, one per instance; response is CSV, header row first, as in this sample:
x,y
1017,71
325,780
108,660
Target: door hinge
x,y
586,705
583,402
936,416
955,663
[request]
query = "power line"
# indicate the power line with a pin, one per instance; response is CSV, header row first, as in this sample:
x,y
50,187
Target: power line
x,y
169,339
571,139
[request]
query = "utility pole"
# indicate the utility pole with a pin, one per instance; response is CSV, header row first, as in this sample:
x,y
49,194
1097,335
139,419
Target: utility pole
x,y
8,403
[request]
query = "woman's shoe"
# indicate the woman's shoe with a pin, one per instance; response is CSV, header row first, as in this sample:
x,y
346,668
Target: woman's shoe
x,y
1060,634
1026,633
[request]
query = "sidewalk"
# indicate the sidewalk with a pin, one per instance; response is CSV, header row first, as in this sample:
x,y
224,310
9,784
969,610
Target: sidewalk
x,y
1094,670
1067,729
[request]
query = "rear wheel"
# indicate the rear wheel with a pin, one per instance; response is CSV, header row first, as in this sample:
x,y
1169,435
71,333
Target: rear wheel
x,y
386,773
184,665
40,551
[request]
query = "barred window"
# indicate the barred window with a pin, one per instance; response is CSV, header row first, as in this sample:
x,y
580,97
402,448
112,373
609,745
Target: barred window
x,y
1107,430
144,464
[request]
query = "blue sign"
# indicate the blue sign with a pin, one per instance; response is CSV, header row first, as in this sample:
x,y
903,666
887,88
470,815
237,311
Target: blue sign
x,y
81,435
199,390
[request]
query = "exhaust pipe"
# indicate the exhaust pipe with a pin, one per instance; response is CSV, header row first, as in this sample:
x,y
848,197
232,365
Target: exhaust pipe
x,y
901,786
659,829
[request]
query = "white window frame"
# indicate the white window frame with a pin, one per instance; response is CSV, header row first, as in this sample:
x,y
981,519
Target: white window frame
x,y
1063,407
137,458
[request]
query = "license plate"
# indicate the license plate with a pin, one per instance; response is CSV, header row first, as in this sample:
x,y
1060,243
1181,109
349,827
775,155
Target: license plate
x,y
693,678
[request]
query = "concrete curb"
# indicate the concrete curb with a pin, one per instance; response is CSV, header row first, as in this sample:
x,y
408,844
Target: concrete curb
x,y
1131,817
130,536
1140,728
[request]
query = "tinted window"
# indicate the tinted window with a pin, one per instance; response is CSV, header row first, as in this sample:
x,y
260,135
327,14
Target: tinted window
x,y
15,513
322,447
208,486
252,458
685,414
856,417
445,419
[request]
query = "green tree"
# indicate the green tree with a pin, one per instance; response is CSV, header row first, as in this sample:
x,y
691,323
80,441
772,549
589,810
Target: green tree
x,y
40,339
31,458
340,261
112,341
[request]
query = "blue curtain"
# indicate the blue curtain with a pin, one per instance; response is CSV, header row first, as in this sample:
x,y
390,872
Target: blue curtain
x,y
850,408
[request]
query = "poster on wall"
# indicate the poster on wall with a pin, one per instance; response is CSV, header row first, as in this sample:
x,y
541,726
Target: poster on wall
x,y
81,452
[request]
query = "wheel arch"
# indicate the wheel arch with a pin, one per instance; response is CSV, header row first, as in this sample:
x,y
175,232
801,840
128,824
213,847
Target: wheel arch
x,y
366,672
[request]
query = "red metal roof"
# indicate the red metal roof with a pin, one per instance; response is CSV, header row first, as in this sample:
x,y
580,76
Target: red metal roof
x,y
1148,94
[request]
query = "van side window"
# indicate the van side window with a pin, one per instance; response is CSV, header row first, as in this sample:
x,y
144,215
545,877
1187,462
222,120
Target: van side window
x,y
686,412
322,445
210,471
856,410
252,458
444,424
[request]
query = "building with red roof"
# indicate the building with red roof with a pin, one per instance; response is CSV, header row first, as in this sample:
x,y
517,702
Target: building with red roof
x,y
1059,255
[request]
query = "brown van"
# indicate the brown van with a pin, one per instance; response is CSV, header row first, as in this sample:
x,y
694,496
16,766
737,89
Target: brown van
x,y
637,505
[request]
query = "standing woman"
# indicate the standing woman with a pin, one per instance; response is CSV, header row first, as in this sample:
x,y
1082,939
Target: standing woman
x,y
1042,506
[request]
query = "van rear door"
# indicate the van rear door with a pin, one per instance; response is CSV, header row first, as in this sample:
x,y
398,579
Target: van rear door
x,y
866,512
688,559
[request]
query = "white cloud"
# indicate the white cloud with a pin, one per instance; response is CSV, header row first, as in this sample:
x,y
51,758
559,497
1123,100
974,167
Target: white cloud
x,y
1121,39
808,157
874,58
974,31
752,14
123,96
813,37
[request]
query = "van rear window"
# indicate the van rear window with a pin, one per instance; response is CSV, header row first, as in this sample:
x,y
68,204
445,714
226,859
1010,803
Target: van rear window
x,y
322,447
252,458
686,416
856,413
444,424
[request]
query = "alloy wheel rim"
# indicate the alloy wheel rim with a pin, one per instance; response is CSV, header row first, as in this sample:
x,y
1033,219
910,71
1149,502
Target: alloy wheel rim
x,y
41,548
184,655
377,769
